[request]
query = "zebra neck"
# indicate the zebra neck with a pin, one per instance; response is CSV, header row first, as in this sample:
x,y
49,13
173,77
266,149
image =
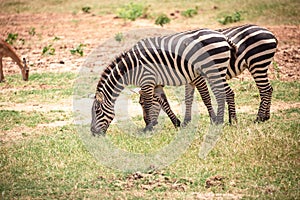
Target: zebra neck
x,y
125,72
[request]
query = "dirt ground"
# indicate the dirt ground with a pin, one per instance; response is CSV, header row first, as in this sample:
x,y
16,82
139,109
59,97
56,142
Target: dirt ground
x,y
93,30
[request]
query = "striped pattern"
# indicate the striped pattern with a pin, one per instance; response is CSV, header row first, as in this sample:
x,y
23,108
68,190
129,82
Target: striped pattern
x,y
168,60
162,103
255,49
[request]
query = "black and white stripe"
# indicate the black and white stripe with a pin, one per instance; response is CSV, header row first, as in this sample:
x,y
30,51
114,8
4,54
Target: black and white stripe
x,y
168,60
255,49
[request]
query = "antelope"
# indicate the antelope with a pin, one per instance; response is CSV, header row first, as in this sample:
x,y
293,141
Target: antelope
x,y
7,51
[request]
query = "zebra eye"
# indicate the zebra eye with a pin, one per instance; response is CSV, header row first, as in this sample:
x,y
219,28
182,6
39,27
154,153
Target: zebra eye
x,y
97,105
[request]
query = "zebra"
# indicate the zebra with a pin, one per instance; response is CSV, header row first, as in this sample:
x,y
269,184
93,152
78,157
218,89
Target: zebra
x,y
255,49
175,60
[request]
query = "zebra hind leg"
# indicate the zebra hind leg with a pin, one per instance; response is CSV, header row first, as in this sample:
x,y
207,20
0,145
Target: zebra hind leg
x,y
231,105
265,105
220,98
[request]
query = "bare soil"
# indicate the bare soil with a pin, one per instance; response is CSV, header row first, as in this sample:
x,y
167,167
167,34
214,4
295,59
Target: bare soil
x,y
92,30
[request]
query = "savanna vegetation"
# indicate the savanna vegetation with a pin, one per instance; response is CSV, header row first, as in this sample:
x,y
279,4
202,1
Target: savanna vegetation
x,y
43,156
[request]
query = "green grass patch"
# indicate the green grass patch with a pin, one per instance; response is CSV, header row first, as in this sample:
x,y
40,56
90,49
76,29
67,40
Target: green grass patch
x,y
56,164
44,87
12,118
38,95
38,79
251,159
246,92
286,91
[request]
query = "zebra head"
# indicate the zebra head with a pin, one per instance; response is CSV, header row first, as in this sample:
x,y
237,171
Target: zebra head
x,y
102,114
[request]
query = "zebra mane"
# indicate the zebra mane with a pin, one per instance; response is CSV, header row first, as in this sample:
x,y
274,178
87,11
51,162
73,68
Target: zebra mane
x,y
107,71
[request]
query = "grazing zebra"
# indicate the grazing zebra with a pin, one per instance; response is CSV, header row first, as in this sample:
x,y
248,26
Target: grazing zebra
x,y
168,60
255,47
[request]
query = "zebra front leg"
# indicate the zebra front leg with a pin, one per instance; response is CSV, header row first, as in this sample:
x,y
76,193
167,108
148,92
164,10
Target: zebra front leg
x,y
220,95
231,104
147,96
202,88
160,101
156,107
221,107
167,109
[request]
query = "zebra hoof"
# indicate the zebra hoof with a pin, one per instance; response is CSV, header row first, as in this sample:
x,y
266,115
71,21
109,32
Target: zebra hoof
x,y
177,123
186,121
216,121
148,128
261,119
233,121
154,123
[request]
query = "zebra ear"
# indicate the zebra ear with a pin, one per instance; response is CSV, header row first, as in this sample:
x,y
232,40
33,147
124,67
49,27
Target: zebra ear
x,y
99,96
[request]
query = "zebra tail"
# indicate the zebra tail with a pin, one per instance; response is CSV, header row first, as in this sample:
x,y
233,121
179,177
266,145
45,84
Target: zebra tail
x,y
233,48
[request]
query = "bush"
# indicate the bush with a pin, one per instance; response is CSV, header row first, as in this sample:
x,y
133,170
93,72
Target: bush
x,y
162,19
32,31
48,50
78,50
189,12
235,17
119,37
11,38
86,9
131,11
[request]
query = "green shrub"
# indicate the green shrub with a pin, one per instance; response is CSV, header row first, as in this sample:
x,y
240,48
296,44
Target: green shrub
x,y
78,50
131,11
48,50
119,37
56,38
11,38
162,19
86,9
32,31
235,17
189,12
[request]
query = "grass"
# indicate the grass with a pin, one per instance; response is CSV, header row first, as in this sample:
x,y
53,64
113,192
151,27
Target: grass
x,y
11,118
251,160
44,87
254,159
